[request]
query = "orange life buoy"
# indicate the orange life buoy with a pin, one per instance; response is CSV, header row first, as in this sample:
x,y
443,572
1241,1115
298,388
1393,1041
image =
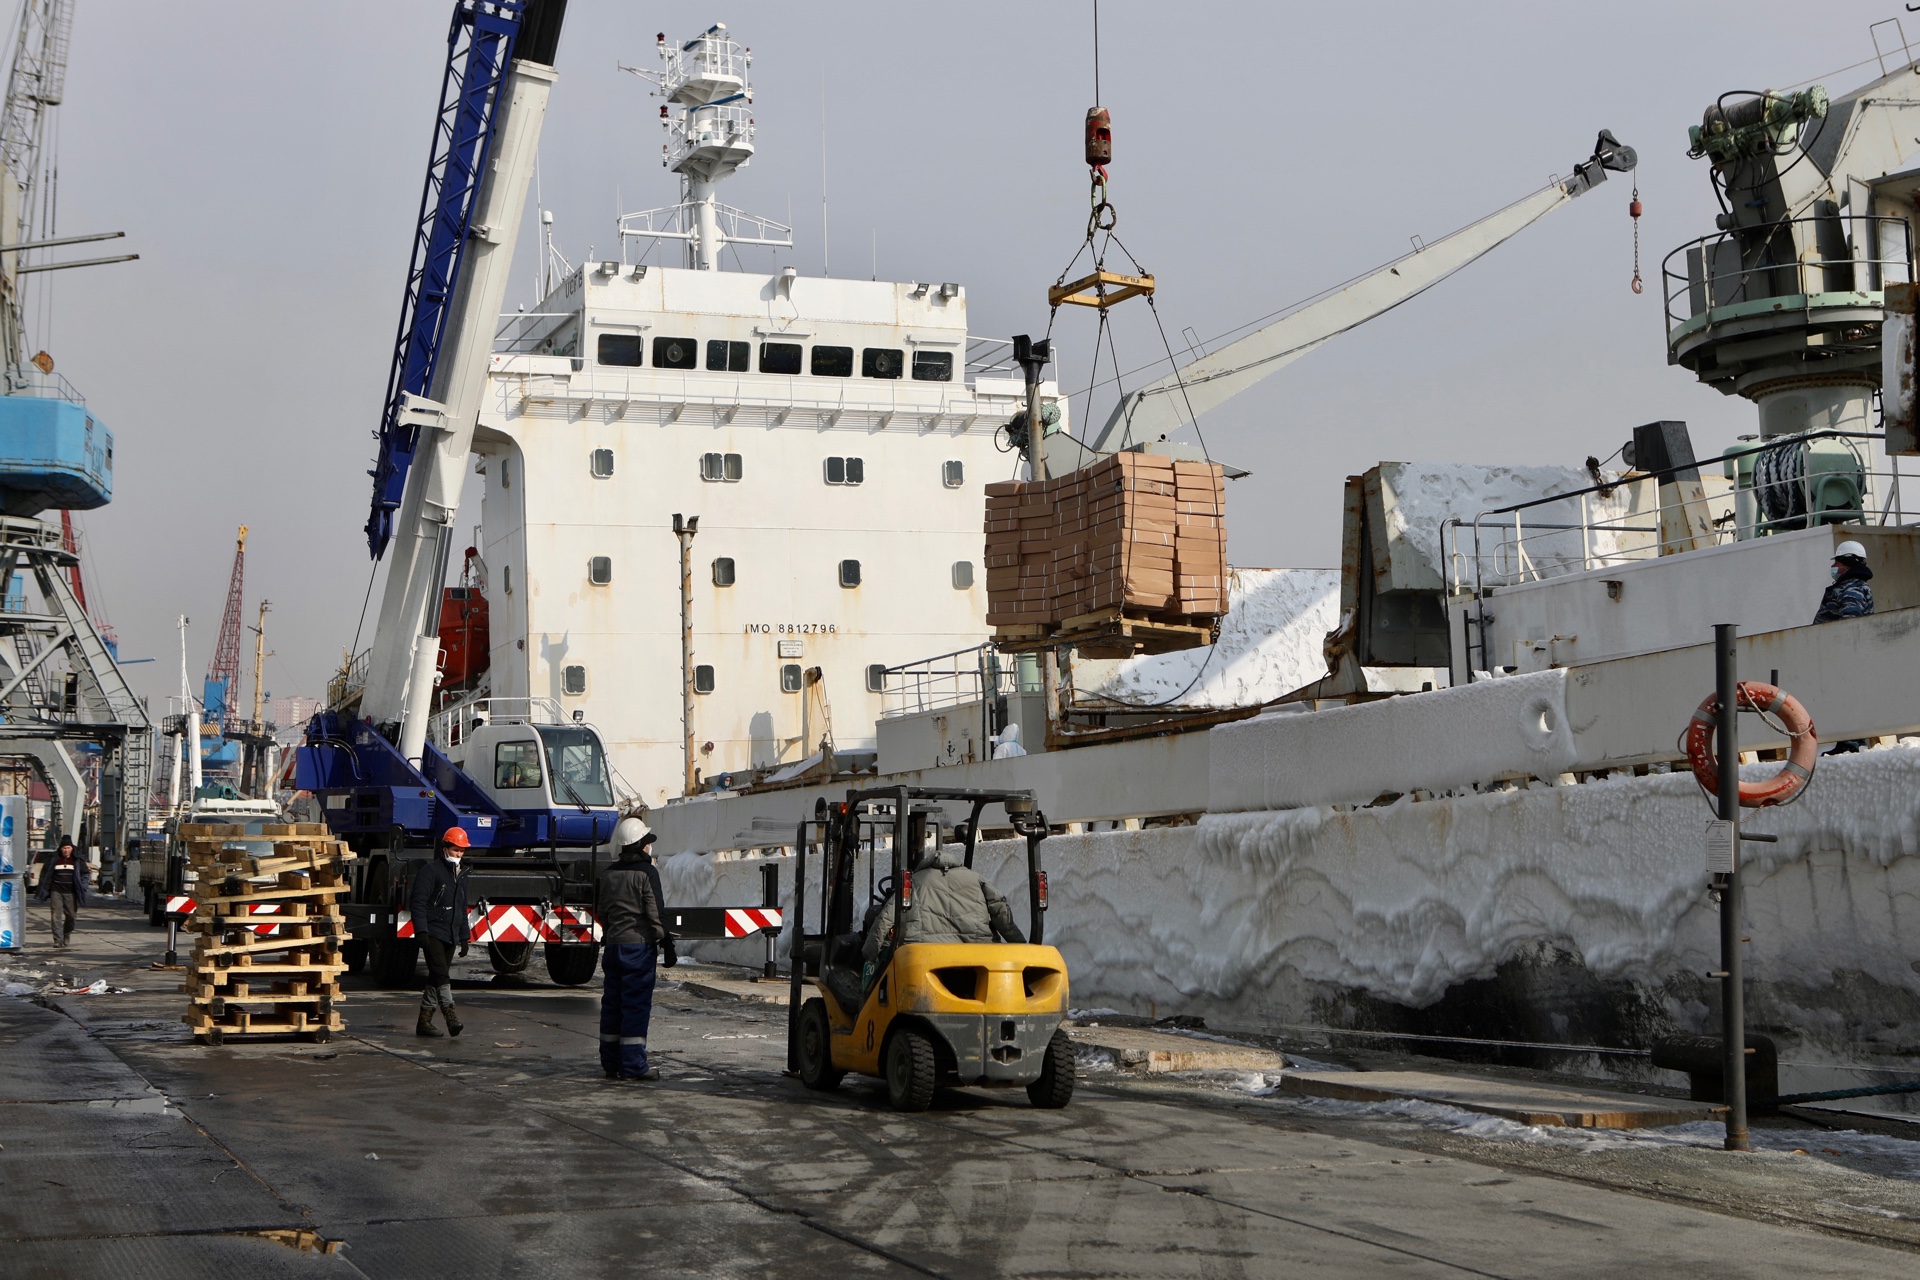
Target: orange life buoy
x,y
1804,747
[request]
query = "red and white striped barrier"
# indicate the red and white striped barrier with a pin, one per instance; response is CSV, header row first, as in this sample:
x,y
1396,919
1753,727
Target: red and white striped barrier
x,y
521,922
180,904
745,921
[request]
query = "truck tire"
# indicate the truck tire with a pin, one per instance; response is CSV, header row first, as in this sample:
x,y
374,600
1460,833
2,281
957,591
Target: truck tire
x,y
816,1048
570,964
392,961
154,904
510,957
1054,1088
354,956
912,1070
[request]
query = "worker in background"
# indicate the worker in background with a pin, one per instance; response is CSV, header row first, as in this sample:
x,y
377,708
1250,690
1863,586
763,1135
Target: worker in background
x,y
63,882
1007,744
1848,596
635,942
439,906
951,903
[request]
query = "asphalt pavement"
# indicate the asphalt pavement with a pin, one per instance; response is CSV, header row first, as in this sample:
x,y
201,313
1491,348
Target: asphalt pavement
x,y
128,1151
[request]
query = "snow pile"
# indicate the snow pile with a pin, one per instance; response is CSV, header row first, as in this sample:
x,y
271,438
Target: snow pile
x,y
1425,495
1270,644
1448,738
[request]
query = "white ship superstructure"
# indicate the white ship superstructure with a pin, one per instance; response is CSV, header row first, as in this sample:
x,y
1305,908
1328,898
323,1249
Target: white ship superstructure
x,y
833,437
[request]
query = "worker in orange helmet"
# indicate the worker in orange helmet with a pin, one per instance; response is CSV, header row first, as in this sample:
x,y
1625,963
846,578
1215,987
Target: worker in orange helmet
x,y
439,905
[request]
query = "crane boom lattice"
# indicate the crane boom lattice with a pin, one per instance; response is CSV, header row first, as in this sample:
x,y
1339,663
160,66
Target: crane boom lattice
x,y
226,650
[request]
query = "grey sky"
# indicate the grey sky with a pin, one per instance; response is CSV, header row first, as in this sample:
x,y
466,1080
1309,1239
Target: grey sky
x,y
266,161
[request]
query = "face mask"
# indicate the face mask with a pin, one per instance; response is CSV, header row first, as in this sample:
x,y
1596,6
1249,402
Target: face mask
x,y
1834,573
453,858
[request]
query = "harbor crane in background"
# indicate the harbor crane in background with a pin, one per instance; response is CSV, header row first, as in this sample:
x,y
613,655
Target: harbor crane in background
x,y
1151,413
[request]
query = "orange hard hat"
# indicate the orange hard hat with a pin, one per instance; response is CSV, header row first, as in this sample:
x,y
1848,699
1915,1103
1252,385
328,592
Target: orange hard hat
x,y
455,836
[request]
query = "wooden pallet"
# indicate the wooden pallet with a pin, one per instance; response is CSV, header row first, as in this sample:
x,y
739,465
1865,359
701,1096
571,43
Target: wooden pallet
x,y
1116,632
240,982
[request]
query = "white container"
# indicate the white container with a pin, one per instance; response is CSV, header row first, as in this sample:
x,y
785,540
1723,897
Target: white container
x,y
15,834
13,912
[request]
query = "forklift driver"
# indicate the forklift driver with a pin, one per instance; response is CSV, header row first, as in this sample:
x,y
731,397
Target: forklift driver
x,y
951,903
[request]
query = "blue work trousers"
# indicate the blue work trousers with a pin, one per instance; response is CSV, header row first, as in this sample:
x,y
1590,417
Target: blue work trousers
x,y
626,1007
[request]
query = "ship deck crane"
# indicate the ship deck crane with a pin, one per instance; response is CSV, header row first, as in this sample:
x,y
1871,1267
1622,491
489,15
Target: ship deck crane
x,y
1159,408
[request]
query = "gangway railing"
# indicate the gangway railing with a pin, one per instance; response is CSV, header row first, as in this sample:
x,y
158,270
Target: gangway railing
x,y
962,678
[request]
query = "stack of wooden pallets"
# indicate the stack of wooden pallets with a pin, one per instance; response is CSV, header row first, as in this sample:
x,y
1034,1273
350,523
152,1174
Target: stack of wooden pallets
x,y
268,957
1128,554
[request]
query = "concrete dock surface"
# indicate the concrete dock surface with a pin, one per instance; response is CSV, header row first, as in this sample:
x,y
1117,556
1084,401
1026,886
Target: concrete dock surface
x,y
128,1151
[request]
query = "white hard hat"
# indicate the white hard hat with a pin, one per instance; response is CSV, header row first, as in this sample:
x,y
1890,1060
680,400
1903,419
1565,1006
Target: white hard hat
x,y
1850,548
630,831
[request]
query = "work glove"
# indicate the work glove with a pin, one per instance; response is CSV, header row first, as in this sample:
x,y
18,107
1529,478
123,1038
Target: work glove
x,y
463,951
672,957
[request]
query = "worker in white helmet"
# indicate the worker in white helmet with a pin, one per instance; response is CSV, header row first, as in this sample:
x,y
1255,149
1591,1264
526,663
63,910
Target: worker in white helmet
x,y
634,940
1848,596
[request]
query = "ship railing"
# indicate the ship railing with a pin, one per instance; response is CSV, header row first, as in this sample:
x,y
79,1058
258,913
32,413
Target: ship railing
x,y
27,380
962,678
451,726
350,681
1635,517
1795,257
678,222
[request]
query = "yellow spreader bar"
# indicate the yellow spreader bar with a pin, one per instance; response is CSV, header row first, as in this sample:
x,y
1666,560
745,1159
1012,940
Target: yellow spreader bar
x,y
1092,291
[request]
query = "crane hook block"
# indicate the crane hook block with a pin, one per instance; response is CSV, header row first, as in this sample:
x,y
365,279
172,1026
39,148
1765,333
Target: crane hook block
x,y
1099,137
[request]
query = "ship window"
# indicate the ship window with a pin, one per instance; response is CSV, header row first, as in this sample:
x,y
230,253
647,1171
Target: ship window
x,y
573,680
849,573
600,462
676,353
962,574
723,571
933,366
726,357
703,679
506,577
846,470
790,678
876,677
720,466
880,362
620,348
516,765
600,570
833,362
953,474
506,473
779,357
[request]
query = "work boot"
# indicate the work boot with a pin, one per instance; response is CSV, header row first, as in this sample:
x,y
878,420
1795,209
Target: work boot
x,y
453,1023
426,1027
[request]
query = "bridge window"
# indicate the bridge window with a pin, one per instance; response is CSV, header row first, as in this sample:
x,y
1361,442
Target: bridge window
x,y
846,470
620,348
723,571
720,466
573,680
880,362
703,679
600,463
933,366
676,353
726,357
790,680
600,570
780,357
833,362
516,765
849,573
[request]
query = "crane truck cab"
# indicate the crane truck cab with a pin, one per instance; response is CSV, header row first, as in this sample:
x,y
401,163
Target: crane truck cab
x,y
922,1014
547,773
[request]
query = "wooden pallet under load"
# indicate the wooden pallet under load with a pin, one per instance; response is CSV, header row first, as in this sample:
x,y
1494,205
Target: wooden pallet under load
x,y
269,953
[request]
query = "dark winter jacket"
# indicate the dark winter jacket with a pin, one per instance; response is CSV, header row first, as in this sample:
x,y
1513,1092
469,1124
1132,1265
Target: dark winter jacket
x,y
44,889
951,903
627,903
1848,597
439,902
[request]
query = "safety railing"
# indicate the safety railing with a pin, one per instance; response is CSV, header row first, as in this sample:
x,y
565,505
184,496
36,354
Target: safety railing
x,y
958,679
349,681
1632,519
1795,257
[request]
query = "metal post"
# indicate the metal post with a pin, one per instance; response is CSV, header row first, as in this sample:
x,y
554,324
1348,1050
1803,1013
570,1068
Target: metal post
x,y
173,941
1033,357
1733,1014
684,529
770,899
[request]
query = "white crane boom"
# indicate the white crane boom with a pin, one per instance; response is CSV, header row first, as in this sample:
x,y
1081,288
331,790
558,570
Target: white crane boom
x,y
1163,406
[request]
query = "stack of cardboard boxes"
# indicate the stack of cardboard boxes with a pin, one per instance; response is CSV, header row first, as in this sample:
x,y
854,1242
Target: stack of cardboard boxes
x,y
1136,534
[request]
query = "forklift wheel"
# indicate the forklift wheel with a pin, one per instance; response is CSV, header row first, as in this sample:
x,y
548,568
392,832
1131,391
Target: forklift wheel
x,y
816,1051
911,1070
1054,1088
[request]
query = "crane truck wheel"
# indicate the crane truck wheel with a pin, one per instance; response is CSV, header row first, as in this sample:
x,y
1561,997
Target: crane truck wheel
x,y
816,1048
912,1070
510,957
570,964
1054,1088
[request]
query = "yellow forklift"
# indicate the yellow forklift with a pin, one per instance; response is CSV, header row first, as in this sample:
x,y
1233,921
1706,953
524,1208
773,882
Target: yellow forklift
x,y
921,1015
